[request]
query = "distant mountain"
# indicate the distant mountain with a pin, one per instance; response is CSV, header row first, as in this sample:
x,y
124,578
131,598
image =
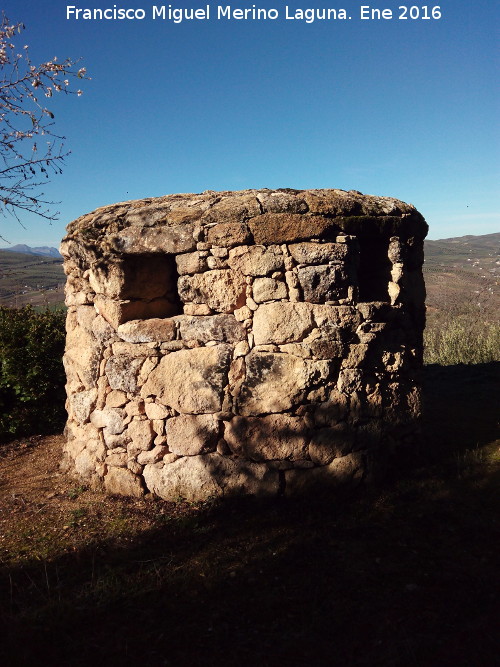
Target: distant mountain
x,y
42,250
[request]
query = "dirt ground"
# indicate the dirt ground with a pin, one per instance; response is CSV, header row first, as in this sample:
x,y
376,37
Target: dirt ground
x,y
404,574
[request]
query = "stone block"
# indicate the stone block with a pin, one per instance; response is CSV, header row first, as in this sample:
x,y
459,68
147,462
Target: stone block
x,y
222,290
322,283
268,438
319,253
156,411
330,443
81,404
228,234
122,372
346,470
148,330
206,476
256,260
189,435
141,435
191,262
275,382
170,240
191,381
110,419
123,482
221,328
282,322
271,228
268,289
237,207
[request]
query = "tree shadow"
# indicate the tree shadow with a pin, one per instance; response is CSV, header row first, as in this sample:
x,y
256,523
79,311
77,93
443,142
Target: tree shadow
x,y
399,575
461,407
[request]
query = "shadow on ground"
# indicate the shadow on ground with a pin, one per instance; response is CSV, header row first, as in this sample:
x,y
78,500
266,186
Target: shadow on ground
x,y
400,575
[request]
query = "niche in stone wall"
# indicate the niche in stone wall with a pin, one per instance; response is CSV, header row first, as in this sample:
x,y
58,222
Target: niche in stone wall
x,y
149,283
374,272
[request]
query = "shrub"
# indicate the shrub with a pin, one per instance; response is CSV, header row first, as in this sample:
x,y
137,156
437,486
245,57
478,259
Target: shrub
x,y
461,336
31,371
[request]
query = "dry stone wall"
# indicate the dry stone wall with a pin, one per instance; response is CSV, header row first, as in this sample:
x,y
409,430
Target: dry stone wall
x,y
258,342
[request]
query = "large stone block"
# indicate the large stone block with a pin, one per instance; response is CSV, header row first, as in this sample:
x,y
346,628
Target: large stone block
x,y
273,437
191,262
235,208
122,370
147,331
282,322
222,328
223,290
172,239
83,352
140,436
322,283
81,404
110,419
346,470
256,260
268,289
320,253
123,482
341,317
228,234
209,476
189,435
191,381
330,443
271,228
277,382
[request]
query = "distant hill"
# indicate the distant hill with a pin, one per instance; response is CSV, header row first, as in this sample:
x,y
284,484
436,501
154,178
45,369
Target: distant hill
x,y
27,250
465,268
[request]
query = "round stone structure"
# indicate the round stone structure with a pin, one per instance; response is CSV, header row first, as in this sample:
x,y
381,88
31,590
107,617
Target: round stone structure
x,y
258,342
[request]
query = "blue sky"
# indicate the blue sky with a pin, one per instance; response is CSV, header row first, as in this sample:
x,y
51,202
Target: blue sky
x,y
406,108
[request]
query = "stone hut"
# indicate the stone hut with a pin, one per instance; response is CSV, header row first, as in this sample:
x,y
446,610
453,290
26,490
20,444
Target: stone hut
x,y
257,342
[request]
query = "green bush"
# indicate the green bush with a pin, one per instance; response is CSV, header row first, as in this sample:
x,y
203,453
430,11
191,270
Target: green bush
x,y
31,371
462,336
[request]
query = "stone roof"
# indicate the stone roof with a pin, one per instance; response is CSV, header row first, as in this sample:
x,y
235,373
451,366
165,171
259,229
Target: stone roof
x,y
178,223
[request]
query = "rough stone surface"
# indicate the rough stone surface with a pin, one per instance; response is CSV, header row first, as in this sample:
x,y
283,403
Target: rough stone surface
x,y
263,342
210,476
267,289
276,382
191,381
122,371
189,435
222,290
256,260
268,438
282,322
122,482
221,328
322,283
147,331
319,253
340,472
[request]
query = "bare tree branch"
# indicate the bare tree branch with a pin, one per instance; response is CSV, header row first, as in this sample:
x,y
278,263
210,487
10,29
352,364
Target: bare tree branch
x,y
27,160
